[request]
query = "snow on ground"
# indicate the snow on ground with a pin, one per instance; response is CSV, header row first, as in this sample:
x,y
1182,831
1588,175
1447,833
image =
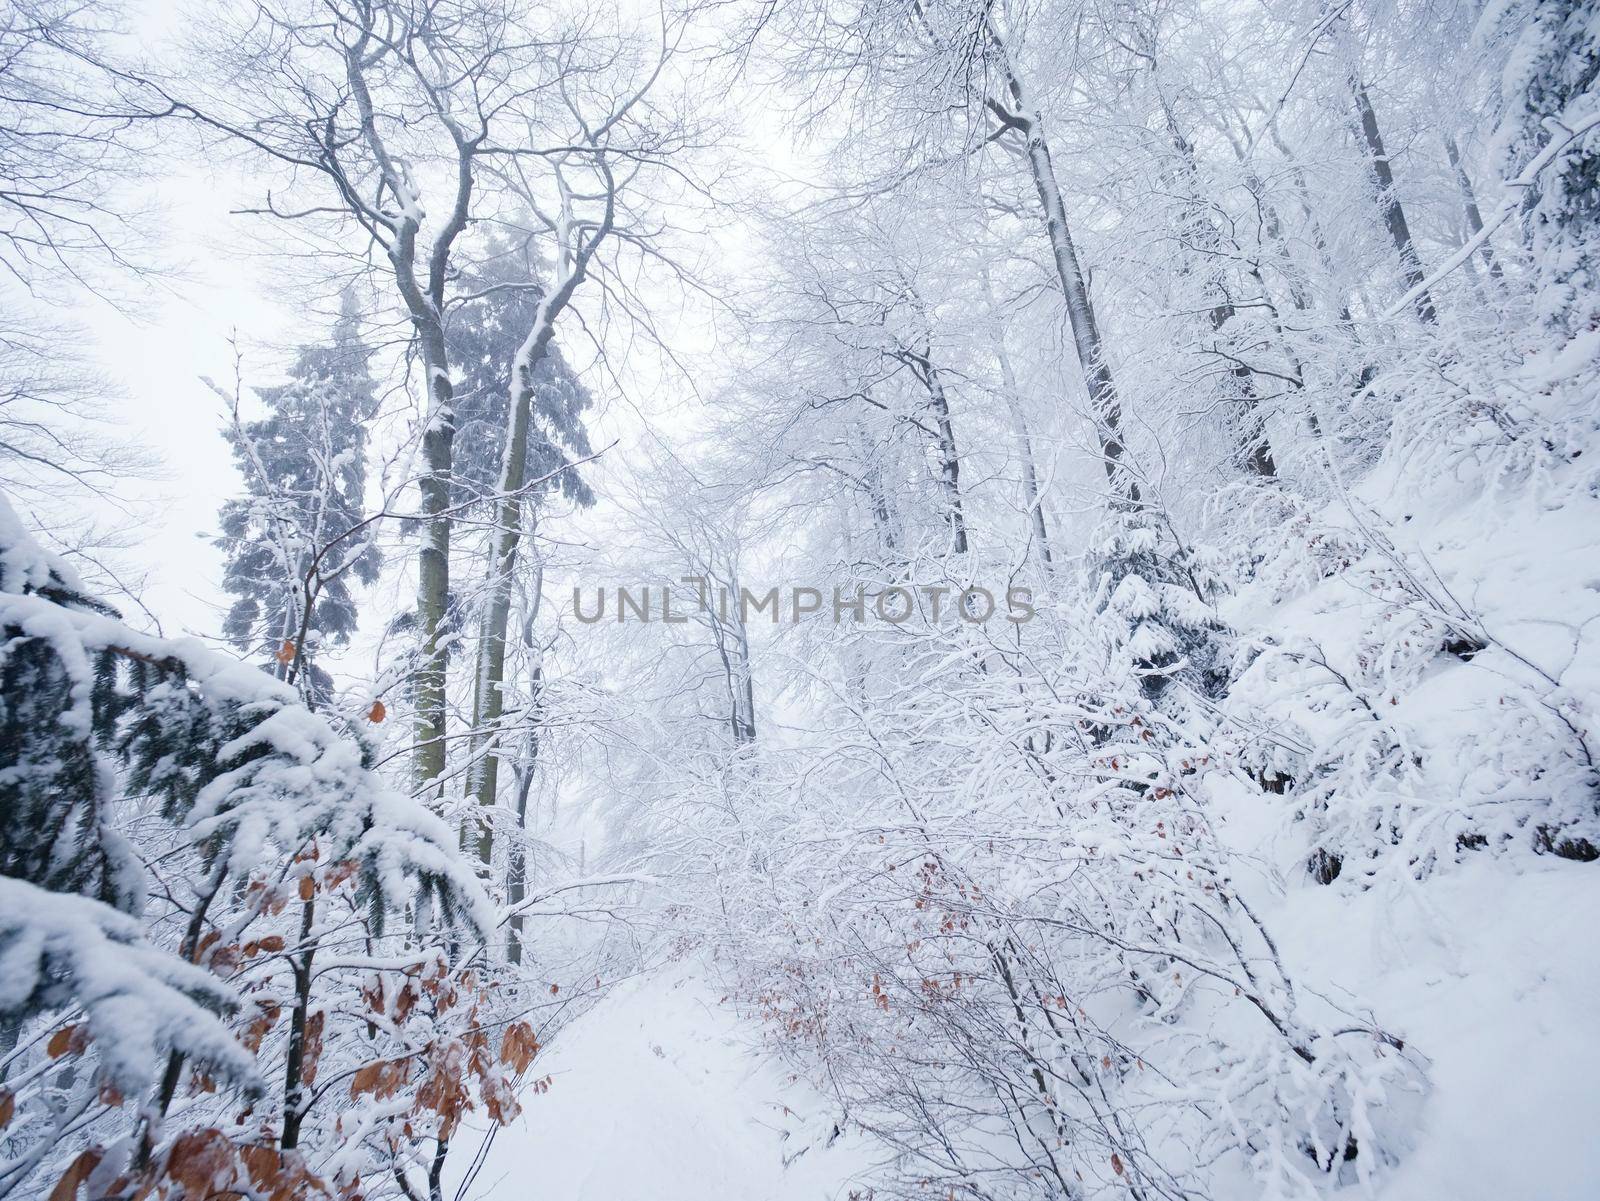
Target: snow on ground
x,y
1493,976
663,1092
1490,967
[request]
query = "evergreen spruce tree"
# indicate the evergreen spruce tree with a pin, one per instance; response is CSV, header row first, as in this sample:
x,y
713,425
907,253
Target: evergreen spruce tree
x,y
304,466
484,333
1157,600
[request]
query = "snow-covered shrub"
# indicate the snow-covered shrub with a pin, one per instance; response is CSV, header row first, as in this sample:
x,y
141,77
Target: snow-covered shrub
x,y
1033,973
1157,598
161,809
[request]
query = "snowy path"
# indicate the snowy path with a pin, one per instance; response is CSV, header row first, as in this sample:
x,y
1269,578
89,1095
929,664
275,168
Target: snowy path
x,y
661,1093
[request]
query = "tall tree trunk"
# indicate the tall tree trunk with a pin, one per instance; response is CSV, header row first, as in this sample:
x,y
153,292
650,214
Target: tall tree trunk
x,y
945,448
747,681
871,481
1019,422
733,649
508,529
1030,473
526,768
1103,399
424,300
489,705
1469,207
1394,214
433,562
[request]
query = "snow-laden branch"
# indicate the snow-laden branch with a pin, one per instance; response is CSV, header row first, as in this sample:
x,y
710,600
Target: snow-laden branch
x,y
1563,137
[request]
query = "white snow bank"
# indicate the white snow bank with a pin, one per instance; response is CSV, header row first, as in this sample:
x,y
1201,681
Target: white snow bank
x,y
1494,976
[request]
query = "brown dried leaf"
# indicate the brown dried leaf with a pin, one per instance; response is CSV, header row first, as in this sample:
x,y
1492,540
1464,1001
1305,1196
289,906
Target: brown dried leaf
x,y
518,1046
68,1039
201,1161
66,1188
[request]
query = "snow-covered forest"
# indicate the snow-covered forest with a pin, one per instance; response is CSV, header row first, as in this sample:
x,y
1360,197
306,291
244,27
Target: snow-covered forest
x,y
799,600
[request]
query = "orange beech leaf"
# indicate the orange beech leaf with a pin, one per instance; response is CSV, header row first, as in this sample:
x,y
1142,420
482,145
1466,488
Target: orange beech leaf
x,y
262,1163
259,1027
382,1079
277,1176
68,1039
518,1046
365,1079
1116,1163
202,1162
286,651
308,888
377,713
444,1091
77,1172
8,1107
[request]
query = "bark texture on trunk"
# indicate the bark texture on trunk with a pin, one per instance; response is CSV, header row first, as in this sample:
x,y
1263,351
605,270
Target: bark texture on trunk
x,y
433,565
1090,346
508,524
945,447
1469,207
1394,214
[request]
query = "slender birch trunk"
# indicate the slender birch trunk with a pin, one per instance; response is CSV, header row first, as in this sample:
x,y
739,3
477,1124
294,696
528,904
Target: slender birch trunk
x,y
1394,214
508,522
1090,346
1030,473
1019,422
424,300
1469,208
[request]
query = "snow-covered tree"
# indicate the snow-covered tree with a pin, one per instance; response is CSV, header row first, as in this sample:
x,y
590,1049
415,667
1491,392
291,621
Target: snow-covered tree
x,y
1548,55
241,799
498,303
300,540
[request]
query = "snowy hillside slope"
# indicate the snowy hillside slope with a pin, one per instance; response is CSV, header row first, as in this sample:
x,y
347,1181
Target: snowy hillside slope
x,y
662,1092
1493,978
1427,704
